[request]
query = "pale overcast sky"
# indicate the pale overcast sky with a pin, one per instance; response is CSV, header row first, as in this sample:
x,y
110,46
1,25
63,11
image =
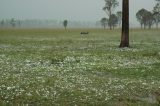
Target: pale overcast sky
x,y
78,10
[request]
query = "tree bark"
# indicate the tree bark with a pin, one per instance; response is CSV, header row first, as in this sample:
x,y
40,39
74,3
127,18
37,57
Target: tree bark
x,y
125,24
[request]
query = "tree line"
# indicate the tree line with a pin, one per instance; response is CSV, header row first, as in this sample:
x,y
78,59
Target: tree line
x,y
144,17
149,18
10,23
47,23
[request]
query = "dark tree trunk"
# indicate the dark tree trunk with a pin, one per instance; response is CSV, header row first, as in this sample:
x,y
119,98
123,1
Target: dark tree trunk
x,y
125,25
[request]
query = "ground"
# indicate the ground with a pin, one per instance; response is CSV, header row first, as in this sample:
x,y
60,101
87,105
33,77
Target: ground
x,y
56,67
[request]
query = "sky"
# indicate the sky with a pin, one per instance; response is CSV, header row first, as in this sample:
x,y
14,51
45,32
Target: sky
x,y
77,10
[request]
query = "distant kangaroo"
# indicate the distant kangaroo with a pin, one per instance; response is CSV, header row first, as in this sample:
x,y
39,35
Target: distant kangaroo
x,y
84,33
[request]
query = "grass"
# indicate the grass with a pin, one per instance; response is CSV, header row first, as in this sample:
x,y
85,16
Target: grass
x,y
42,67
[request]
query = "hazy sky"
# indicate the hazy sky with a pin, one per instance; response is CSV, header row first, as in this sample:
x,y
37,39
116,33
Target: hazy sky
x,y
78,10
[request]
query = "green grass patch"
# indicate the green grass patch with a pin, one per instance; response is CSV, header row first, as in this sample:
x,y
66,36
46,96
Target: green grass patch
x,y
57,67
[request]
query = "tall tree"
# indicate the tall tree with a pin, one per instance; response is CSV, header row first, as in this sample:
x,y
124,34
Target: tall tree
x,y
65,23
119,16
104,22
125,24
109,7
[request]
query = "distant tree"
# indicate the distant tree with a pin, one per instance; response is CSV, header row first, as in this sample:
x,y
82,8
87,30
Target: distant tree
x,y
119,16
156,13
113,21
145,18
2,23
19,23
109,7
104,22
125,24
65,23
141,15
149,19
156,19
13,22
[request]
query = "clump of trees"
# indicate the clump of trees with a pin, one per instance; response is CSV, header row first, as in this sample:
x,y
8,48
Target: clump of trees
x,y
156,12
113,19
10,23
149,18
104,22
112,22
145,18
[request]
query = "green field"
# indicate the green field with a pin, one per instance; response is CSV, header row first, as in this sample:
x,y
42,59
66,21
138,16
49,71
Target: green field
x,y
54,67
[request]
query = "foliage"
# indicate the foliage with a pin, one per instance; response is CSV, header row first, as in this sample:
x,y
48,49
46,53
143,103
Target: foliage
x,y
104,22
109,7
141,16
145,18
149,19
156,12
113,21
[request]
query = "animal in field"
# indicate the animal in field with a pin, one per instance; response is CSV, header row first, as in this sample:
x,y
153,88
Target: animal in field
x,y
84,33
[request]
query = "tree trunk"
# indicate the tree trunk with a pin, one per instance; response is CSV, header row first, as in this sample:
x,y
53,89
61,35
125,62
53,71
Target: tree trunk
x,y
125,25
